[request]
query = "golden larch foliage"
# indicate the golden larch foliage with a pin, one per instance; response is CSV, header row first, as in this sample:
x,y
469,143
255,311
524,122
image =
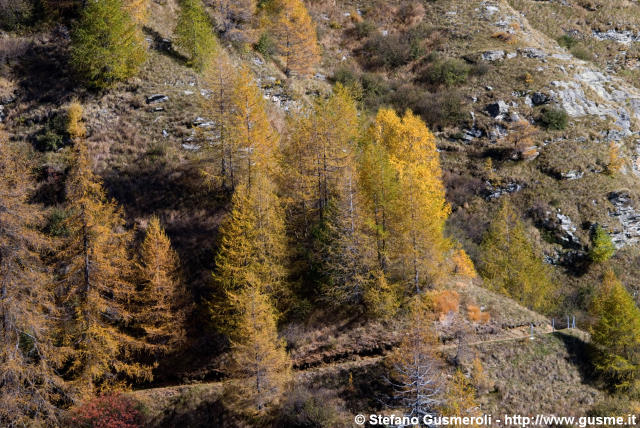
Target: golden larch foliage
x,y
218,77
616,333
445,302
138,10
420,209
28,381
296,37
96,283
161,297
253,136
460,398
75,125
463,266
510,263
259,359
252,251
615,162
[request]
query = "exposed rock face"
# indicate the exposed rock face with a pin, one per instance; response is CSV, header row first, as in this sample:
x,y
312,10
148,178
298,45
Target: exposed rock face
x,y
614,99
492,55
498,110
532,53
538,98
157,98
560,226
629,218
624,37
496,192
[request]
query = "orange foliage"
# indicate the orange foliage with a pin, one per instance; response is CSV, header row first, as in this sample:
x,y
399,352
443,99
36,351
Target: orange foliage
x,y
505,37
445,301
475,314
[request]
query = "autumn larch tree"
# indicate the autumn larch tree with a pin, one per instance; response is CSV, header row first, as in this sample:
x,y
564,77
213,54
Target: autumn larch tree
x,y
419,209
380,188
260,362
252,251
511,265
29,386
296,37
602,247
323,196
253,137
161,296
219,77
616,333
194,33
95,284
318,150
138,10
460,397
106,44
415,367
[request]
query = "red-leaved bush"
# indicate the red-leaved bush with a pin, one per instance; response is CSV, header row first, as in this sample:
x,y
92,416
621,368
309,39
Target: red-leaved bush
x,y
107,411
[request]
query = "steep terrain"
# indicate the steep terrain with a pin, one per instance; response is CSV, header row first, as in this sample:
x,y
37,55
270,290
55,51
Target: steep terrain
x,y
145,142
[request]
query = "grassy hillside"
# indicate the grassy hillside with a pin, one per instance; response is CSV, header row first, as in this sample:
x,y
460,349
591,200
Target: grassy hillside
x,y
525,99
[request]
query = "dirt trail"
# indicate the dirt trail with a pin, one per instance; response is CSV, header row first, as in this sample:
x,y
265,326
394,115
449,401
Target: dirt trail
x,y
356,361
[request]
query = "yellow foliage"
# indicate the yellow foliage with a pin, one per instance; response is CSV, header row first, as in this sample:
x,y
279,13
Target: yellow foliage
x,y
96,281
259,358
615,162
138,10
159,311
463,264
295,37
419,209
460,398
75,126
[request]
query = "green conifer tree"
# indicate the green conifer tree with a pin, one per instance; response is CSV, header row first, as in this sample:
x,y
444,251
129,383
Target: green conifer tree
x,y
194,33
602,247
106,44
510,265
616,333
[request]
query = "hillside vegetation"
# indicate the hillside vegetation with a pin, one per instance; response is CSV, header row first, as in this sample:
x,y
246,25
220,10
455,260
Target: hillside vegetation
x,y
287,212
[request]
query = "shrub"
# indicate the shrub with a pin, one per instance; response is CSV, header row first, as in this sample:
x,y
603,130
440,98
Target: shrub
x,y
106,411
554,118
311,408
441,109
567,41
602,247
390,51
475,314
364,29
582,53
505,37
14,13
266,46
447,72
54,134
56,223
445,301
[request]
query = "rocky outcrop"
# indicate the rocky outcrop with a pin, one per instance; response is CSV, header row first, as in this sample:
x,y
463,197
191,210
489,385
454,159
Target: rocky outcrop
x,y
624,37
629,230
